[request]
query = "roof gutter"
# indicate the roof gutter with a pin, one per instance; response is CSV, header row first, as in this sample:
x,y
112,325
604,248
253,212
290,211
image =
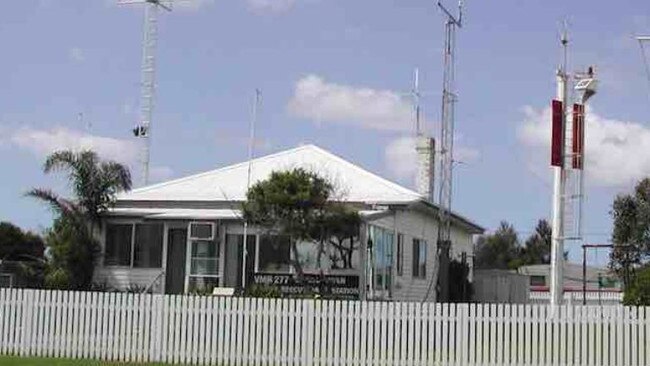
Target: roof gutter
x,y
456,218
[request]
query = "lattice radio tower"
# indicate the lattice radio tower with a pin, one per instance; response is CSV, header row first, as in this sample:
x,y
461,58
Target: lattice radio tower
x,y
142,129
449,98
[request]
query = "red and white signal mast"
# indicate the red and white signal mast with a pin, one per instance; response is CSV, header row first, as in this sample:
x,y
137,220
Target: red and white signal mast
x,y
567,159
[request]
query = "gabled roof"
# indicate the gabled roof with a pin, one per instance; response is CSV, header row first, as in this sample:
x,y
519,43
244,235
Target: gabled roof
x,y
228,184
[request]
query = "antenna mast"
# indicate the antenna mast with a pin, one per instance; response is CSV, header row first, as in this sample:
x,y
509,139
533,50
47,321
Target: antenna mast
x,y
567,159
416,100
449,98
558,155
424,146
148,77
251,155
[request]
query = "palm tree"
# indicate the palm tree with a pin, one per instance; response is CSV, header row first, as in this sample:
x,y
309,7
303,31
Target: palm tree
x,y
95,184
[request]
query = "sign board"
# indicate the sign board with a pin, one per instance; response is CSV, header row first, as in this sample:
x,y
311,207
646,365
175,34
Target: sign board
x,y
327,286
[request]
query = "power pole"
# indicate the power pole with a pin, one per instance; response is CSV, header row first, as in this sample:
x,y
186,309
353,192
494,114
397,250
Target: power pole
x,y
148,77
449,98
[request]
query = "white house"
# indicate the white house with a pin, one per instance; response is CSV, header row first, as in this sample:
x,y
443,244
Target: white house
x,y
188,233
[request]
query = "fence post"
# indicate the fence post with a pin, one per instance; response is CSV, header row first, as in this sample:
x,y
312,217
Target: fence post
x,y
156,326
308,311
25,315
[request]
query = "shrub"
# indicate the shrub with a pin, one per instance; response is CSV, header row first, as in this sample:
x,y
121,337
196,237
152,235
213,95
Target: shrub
x,y
637,293
262,291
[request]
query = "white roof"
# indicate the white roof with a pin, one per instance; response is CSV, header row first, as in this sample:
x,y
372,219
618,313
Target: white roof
x,y
353,184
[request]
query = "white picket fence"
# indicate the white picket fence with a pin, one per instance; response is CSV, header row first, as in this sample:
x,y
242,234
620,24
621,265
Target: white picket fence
x,y
245,331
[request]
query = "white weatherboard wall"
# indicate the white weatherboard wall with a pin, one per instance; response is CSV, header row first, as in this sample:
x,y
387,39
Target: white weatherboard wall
x,y
413,224
246,331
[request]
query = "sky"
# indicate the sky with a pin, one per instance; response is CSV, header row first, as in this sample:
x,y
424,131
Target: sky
x,y
336,73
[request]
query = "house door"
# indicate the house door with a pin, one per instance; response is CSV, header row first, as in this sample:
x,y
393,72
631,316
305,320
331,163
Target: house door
x,y
176,252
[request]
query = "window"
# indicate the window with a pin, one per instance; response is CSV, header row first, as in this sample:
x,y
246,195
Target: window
x,y
274,254
399,257
118,245
204,266
205,258
381,241
148,246
419,258
537,280
134,245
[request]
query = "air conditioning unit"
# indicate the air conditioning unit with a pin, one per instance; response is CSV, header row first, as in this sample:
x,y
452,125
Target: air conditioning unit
x,y
202,230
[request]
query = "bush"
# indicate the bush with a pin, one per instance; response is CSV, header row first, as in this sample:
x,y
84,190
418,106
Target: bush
x,y
134,288
262,291
72,255
637,293
460,289
200,290
57,279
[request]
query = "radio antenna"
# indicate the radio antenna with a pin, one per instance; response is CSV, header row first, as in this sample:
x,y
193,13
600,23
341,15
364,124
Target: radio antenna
x,y
148,77
251,155
439,278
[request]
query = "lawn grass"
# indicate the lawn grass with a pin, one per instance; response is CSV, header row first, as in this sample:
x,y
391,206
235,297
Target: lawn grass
x,y
35,361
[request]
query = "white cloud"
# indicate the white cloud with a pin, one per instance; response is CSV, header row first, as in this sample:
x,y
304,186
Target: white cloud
x,y
320,101
76,55
616,151
400,157
44,142
272,6
401,160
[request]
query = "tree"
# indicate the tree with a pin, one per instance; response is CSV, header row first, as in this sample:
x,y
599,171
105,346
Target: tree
x,y
74,247
341,228
296,204
19,245
537,248
94,182
498,250
72,255
502,250
25,251
631,233
637,293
